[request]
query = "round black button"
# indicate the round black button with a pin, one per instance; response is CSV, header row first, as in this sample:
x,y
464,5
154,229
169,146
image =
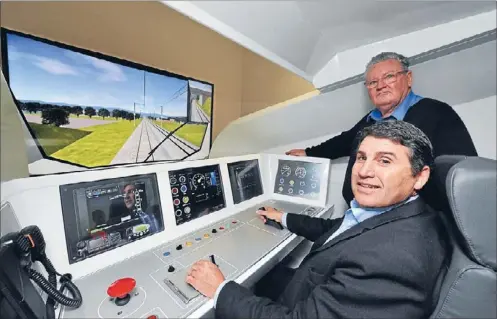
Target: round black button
x,y
179,247
171,268
214,231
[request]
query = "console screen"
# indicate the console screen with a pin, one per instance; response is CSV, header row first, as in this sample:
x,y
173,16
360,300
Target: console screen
x,y
196,192
105,214
245,180
298,178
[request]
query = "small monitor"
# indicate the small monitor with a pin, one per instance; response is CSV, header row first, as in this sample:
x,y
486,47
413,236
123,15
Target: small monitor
x,y
245,179
299,179
196,192
102,215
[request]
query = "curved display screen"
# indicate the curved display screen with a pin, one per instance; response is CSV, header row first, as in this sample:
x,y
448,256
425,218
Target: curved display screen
x,y
102,215
245,179
196,192
298,178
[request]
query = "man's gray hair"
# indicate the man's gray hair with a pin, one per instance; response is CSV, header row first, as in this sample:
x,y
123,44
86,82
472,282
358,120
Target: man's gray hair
x,y
383,56
406,134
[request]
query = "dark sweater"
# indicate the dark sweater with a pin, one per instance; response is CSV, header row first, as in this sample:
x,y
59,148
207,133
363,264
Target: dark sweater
x,y
436,119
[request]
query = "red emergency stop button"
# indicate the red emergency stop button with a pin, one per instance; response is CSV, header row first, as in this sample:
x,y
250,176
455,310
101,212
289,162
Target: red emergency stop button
x,y
121,287
152,317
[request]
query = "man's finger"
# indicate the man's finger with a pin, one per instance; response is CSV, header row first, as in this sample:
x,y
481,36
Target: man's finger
x,y
190,280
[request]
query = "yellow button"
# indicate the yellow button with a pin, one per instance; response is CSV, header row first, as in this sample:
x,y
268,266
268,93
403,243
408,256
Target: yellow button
x,y
206,236
189,243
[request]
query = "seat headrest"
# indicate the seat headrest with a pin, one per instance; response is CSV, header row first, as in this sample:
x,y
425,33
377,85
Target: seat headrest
x,y
471,189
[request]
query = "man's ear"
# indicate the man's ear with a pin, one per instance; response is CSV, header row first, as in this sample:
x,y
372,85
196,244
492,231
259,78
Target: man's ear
x,y
409,78
422,178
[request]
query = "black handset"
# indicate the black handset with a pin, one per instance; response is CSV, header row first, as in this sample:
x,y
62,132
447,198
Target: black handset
x,y
28,246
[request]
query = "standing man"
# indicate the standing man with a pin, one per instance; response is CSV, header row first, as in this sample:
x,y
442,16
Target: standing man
x,y
389,82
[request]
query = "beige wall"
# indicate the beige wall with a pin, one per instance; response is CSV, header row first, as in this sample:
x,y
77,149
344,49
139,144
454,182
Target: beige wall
x,y
266,83
152,34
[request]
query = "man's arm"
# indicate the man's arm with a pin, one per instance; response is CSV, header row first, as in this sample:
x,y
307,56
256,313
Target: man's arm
x,y
338,146
452,136
311,228
362,285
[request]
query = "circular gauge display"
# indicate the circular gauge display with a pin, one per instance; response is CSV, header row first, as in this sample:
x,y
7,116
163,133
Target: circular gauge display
x,y
300,172
198,180
286,170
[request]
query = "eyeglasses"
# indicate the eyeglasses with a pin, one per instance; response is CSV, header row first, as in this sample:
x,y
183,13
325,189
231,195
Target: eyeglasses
x,y
388,78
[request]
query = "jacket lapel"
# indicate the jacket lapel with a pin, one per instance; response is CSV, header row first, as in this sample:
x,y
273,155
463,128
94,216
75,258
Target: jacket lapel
x,y
405,211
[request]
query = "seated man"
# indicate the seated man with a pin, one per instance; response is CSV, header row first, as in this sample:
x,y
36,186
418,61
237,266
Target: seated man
x,y
381,260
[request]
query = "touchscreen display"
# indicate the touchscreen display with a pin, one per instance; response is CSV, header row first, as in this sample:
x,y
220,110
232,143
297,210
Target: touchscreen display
x,y
245,180
196,192
102,215
298,178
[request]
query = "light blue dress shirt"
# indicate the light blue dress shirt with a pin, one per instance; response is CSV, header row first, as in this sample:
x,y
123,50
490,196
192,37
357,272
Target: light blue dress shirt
x,y
400,111
353,216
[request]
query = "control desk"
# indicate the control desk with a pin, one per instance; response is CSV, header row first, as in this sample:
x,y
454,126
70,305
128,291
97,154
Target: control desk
x,y
129,235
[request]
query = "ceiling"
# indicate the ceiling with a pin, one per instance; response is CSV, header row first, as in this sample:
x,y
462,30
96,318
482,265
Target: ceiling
x,y
304,36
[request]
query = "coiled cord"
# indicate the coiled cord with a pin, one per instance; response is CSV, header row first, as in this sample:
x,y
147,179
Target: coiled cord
x,y
56,294
31,248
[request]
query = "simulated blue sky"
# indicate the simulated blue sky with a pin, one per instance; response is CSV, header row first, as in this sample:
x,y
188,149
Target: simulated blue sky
x,y
39,71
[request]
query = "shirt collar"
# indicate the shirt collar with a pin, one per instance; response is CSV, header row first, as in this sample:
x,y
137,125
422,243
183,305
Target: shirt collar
x,y
400,111
360,214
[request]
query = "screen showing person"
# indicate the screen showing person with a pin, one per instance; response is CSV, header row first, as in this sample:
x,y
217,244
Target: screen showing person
x,y
196,192
298,178
245,180
105,214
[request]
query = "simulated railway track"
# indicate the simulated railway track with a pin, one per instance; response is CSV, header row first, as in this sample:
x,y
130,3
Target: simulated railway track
x,y
150,142
201,114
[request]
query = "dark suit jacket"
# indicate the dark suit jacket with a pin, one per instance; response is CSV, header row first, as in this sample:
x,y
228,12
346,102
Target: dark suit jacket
x,y
384,267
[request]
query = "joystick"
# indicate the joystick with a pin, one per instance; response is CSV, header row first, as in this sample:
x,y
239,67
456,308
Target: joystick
x,y
120,290
271,222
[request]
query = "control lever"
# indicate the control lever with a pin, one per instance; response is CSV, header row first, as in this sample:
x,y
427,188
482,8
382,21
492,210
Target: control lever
x,y
271,222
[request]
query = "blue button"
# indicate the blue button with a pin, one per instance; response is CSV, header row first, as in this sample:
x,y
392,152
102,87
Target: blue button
x,y
166,253
198,239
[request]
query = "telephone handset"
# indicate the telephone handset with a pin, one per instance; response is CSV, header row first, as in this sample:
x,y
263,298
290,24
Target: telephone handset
x,y
18,252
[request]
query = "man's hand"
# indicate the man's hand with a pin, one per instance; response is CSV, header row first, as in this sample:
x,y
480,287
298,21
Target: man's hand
x,y
205,277
270,213
296,152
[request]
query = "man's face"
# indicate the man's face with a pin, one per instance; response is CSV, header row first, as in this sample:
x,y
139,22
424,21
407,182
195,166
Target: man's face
x,y
129,196
387,96
382,175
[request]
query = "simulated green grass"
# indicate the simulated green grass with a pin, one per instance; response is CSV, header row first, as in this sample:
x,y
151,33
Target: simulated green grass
x,y
53,139
193,133
207,106
100,146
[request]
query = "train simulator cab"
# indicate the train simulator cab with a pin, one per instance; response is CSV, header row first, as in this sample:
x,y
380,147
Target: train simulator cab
x,y
118,176
128,235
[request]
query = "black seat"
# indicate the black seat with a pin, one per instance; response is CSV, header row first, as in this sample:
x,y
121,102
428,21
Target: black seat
x,y
468,288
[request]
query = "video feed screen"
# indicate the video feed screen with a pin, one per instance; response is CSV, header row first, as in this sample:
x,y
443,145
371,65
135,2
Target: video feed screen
x,y
196,192
74,102
245,179
102,215
298,178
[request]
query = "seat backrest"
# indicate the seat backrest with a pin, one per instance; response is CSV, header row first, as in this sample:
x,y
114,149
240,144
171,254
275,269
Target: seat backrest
x,y
468,289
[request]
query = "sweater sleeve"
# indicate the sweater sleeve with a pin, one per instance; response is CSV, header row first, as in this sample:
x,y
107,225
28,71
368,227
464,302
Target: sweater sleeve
x,y
338,146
